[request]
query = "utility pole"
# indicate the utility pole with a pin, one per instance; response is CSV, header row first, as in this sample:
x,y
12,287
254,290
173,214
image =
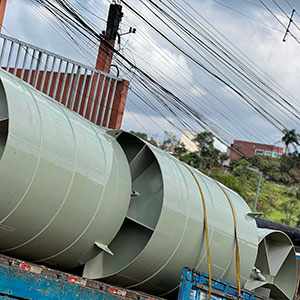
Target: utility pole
x,y
288,27
2,12
104,58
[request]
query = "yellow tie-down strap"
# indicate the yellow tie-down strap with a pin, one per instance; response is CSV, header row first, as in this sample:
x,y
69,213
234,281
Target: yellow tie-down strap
x,y
237,252
206,232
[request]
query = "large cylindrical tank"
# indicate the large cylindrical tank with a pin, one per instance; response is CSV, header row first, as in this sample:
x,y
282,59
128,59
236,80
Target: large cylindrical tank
x,y
163,230
74,194
64,183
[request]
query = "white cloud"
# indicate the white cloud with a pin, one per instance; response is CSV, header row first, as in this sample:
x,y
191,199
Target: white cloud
x,y
197,91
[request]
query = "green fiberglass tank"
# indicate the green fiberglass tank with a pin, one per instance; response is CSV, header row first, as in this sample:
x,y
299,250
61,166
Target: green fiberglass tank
x,y
163,230
64,188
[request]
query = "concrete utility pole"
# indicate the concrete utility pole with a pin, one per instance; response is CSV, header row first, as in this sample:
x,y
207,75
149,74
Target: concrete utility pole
x,y
104,58
258,186
2,12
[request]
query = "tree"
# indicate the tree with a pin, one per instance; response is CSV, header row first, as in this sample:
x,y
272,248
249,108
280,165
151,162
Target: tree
x,y
180,149
286,164
205,143
192,159
290,137
222,158
240,168
144,136
290,210
153,142
209,156
141,135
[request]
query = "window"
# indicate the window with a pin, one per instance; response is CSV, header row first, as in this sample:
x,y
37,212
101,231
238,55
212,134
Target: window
x,y
274,154
267,153
259,152
279,155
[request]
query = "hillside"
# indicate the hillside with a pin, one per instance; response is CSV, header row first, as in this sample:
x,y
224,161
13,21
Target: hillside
x,y
278,199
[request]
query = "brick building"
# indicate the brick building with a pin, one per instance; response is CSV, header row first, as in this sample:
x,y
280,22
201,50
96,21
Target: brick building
x,y
248,149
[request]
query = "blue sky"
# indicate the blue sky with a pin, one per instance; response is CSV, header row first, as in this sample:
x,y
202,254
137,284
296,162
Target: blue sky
x,y
261,42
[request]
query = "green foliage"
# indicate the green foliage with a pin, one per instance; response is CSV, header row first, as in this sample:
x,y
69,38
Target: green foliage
x,y
295,175
240,168
153,142
282,170
180,150
207,156
222,158
279,197
144,136
290,210
205,143
286,164
141,135
268,165
227,179
278,203
191,159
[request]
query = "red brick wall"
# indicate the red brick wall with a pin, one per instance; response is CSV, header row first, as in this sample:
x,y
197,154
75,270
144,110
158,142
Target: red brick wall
x,y
118,104
247,149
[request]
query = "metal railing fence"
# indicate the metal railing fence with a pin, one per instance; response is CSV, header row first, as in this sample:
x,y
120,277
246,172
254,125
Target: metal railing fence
x,y
79,87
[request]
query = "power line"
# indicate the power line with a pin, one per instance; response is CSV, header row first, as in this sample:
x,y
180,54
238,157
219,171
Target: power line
x,y
232,83
257,86
156,89
260,111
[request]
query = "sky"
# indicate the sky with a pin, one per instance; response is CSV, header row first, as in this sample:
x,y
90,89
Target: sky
x,y
245,23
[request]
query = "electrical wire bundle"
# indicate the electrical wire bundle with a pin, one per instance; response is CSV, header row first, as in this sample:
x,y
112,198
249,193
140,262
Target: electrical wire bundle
x,y
209,52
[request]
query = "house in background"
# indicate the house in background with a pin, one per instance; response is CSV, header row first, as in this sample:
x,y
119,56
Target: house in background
x,y
246,149
187,138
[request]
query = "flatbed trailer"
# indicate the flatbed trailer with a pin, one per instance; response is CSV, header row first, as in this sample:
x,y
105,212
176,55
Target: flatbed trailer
x,y
26,281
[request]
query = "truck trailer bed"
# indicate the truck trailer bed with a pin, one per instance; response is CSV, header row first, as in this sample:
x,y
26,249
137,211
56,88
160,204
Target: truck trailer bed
x,y
27,281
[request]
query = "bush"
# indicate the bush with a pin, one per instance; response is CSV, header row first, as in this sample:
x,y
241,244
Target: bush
x,y
227,179
295,174
241,168
268,165
285,178
286,164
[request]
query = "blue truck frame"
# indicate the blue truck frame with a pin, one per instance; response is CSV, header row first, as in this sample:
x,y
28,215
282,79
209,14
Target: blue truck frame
x,y
194,286
26,281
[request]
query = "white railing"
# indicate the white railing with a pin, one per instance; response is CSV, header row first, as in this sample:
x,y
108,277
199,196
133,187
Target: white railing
x,y
81,88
